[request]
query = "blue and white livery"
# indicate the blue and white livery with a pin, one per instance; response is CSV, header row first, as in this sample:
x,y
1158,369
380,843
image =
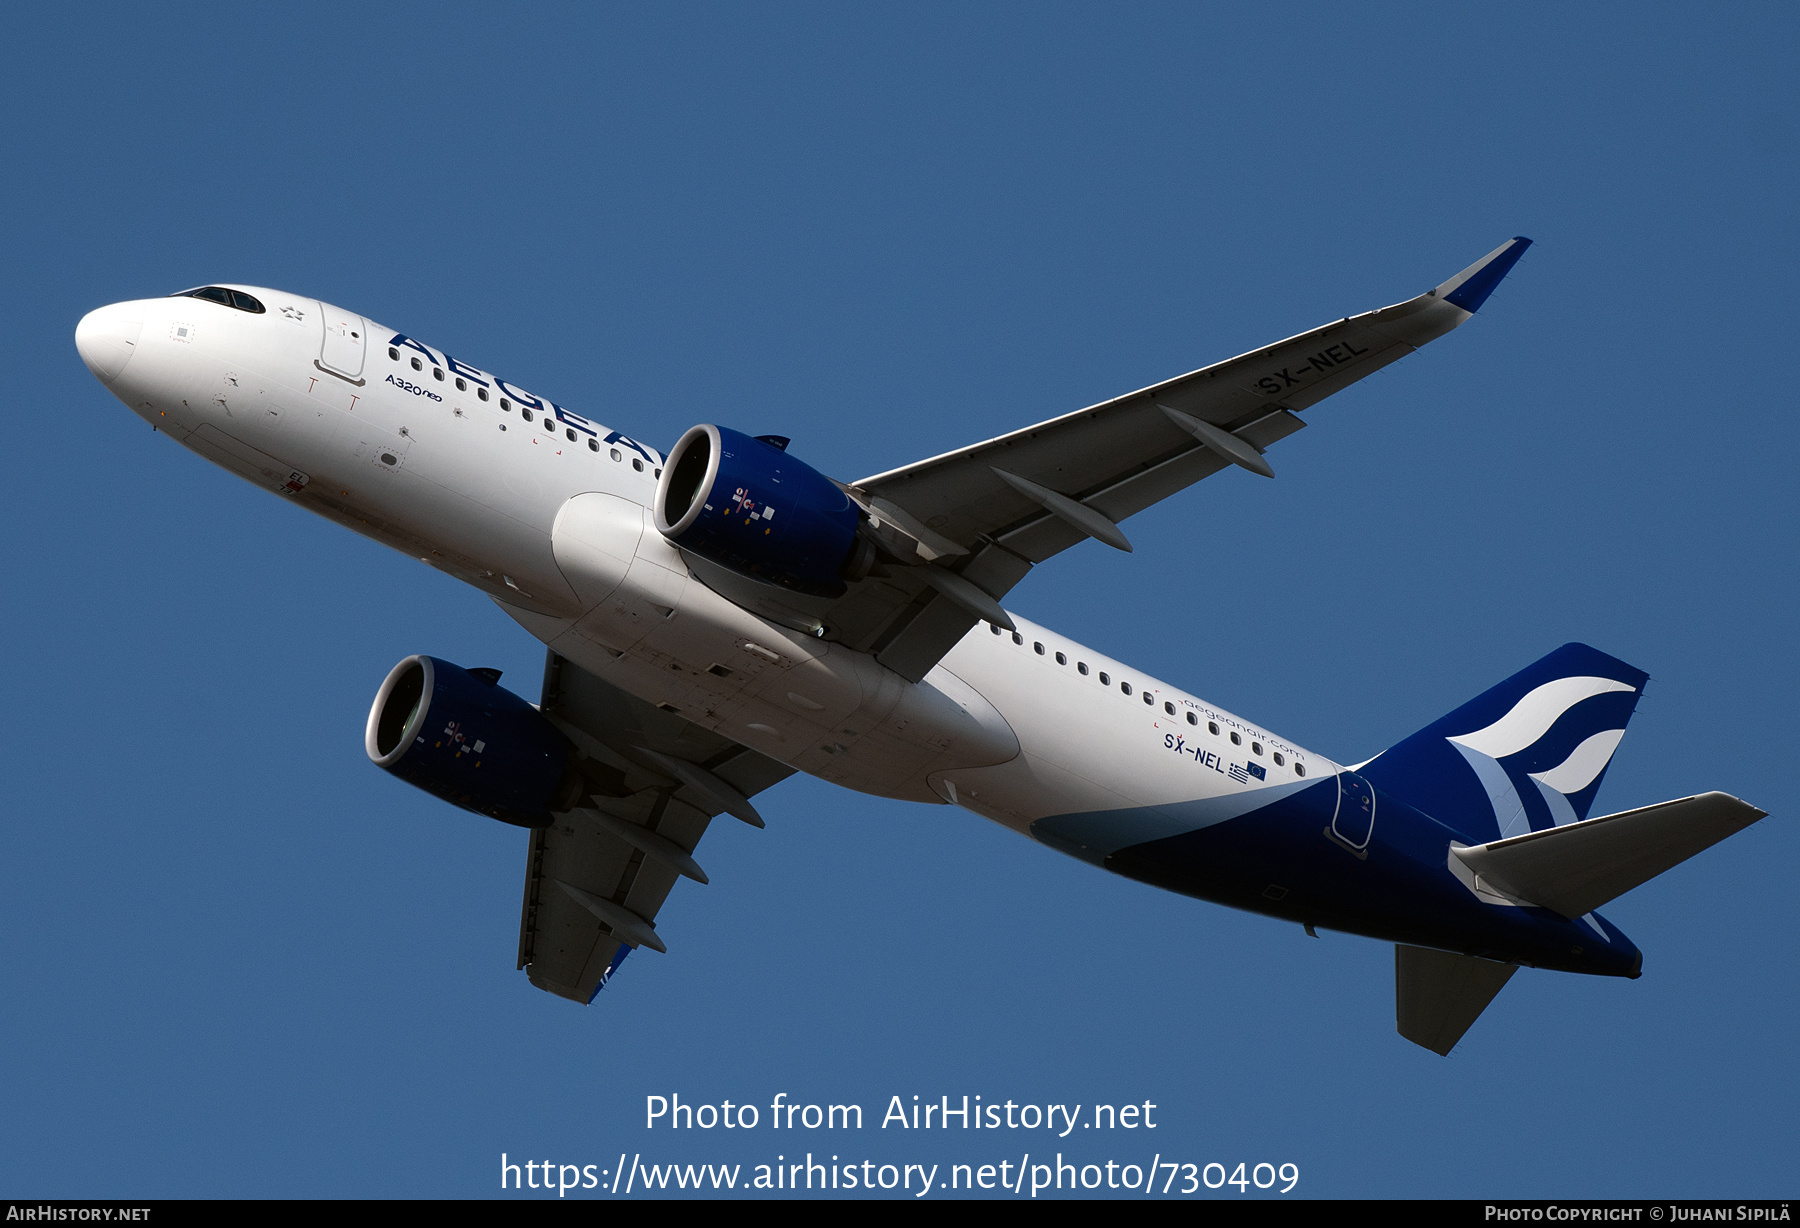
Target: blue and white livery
x,y
724,615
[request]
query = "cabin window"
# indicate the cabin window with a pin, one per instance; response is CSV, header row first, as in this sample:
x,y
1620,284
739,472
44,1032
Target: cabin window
x,y
417,365
993,628
593,445
1169,708
437,373
1104,680
460,385
659,473
393,353
1017,638
637,464
1279,761
1038,648
1192,719
1061,660
1236,741
616,456
1149,700
1081,668
524,413
505,405
1299,769
1256,747
550,425
1125,687
570,434
481,393
1212,727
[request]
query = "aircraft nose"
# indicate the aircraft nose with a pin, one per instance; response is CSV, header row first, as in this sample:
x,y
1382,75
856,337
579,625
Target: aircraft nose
x,y
107,337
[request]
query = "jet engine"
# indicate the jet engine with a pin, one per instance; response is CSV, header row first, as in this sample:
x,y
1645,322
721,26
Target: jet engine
x,y
459,735
747,505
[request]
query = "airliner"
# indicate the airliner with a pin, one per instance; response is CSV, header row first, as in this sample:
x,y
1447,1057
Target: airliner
x,y
722,615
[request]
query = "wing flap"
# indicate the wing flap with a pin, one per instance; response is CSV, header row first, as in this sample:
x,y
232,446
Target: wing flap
x,y
936,622
1043,536
924,639
619,857
561,950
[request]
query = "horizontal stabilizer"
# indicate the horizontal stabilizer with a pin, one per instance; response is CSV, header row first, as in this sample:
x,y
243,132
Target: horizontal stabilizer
x,y
1576,868
1437,995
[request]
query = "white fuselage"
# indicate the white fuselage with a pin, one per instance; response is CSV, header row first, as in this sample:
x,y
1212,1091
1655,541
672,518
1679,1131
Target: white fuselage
x,y
547,512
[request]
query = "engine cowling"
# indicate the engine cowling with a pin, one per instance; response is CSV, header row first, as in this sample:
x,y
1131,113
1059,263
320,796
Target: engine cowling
x,y
460,736
745,504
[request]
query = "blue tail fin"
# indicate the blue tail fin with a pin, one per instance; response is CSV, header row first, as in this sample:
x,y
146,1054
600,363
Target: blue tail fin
x,y
1523,756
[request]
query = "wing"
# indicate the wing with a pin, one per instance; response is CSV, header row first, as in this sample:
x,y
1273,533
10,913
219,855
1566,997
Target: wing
x,y
958,531
595,880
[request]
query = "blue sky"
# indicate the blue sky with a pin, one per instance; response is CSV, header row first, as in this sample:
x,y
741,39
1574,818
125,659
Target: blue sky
x,y
242,961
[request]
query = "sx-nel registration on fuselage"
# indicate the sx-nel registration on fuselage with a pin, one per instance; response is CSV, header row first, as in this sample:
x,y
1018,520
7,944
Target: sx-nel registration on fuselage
x,y
722,616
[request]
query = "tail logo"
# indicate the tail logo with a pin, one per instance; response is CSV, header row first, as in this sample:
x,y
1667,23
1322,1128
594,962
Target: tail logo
x,y
1515,736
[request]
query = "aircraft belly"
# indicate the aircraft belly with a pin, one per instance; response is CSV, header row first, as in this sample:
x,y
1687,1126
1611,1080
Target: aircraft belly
x,y
1280,860
1020,792
817,706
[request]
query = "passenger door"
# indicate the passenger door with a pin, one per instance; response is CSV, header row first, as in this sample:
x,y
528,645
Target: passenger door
x,y
1354,822
345,346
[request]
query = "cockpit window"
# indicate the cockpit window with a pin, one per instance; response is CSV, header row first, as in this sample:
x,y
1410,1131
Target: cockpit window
x,y
225,298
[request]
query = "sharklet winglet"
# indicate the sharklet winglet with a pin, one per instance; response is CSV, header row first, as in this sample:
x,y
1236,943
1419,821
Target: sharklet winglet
x,y
1470,288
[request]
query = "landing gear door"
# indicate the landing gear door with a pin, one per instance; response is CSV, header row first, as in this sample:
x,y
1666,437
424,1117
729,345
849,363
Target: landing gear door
x,y
345,347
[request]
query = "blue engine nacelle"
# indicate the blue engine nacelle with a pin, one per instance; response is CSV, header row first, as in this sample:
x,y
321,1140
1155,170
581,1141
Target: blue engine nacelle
x,y
747,505
459,735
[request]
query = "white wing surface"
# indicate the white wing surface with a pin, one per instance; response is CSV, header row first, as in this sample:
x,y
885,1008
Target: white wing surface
x,y
988,512
596,880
